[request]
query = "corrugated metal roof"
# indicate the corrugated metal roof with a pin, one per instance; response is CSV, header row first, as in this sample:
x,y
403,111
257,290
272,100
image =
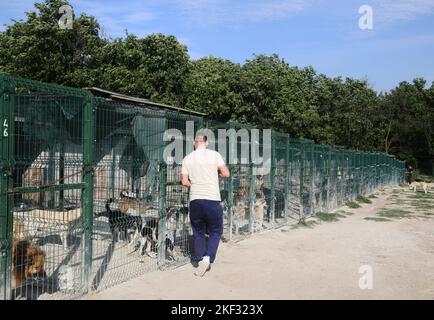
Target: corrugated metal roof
x,y
140,101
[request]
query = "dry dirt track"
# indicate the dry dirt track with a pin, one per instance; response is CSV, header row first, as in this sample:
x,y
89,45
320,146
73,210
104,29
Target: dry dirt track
x,y
318,263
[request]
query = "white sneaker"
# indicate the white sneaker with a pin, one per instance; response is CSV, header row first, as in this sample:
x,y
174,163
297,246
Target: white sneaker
x,y
203,267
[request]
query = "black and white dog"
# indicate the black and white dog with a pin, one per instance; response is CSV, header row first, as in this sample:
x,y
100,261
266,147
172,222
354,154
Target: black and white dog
x,y
149,233
145,228
120,223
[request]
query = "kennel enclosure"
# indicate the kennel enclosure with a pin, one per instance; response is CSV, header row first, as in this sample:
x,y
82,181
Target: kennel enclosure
x,y
71,159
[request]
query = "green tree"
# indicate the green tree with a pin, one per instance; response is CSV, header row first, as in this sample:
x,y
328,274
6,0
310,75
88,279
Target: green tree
x,y
213,87
278,96
409,117
39,49
155,67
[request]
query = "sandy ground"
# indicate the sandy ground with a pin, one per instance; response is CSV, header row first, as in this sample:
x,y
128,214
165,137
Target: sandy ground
x,y
313,263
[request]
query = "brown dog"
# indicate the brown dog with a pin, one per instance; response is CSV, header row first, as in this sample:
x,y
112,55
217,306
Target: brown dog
x,y
28,262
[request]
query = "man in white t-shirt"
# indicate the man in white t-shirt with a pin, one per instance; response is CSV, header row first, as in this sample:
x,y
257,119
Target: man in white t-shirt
x,y
200,171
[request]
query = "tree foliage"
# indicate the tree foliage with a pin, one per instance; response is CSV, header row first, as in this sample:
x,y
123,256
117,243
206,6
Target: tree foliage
x,y
38,49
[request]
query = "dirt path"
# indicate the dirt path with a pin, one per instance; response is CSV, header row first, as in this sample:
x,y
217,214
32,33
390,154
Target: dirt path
x,y
321,262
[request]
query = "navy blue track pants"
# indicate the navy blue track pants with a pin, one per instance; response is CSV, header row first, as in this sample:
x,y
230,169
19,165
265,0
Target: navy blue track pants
x,y
206,216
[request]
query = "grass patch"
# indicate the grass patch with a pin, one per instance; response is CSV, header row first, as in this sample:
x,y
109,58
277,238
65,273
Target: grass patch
x,y
305,224
362,199
421,195
425,217
377,219
329,217
398,202
345,213
352,205
373,196
394,213
422,204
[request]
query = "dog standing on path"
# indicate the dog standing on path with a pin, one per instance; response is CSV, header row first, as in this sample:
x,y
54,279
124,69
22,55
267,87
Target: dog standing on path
x,y
422,185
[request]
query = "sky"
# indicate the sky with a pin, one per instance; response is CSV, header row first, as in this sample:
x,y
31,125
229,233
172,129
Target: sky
x,y
323,34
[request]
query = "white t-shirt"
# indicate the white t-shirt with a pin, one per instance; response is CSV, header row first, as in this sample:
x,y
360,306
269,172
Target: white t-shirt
x,y
202,169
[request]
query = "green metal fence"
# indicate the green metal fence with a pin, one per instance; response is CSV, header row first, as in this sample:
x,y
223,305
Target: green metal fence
x,y
89,198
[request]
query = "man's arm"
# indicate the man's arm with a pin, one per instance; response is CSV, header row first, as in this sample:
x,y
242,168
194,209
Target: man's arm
x,y
221,166
224,171
185,180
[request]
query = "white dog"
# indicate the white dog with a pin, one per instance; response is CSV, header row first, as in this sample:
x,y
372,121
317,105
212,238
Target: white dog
x,y
259,210
422,185
240,212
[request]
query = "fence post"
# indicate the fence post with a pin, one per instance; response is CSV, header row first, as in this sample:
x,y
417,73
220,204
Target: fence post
x,y
251,197
231,201
162,215
89,124
287,178
111,193
322,165
348,195
329,176
6,184
302,159
339,178
362,173
272,177
335,178
62,174
312,172
51,168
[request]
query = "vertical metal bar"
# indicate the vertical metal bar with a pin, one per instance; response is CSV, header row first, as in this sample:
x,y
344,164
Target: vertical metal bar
x,y
339,175
230,201
251,196
3,189
230,184
312,179
272,177
302,159
363,173
61,174
6,184
88,129
162,215
350,175
292,167
51,174
287,177
321,165
335,176
113,174
329,176
358,172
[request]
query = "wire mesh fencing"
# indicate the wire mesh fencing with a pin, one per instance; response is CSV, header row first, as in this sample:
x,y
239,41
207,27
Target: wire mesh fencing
x,y
90,190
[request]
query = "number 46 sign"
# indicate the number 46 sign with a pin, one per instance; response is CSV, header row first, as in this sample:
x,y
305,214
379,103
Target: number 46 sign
x,y
5,128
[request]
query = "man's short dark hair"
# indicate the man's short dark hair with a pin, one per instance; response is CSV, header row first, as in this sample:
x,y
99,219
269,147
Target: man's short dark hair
x,y
200,137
